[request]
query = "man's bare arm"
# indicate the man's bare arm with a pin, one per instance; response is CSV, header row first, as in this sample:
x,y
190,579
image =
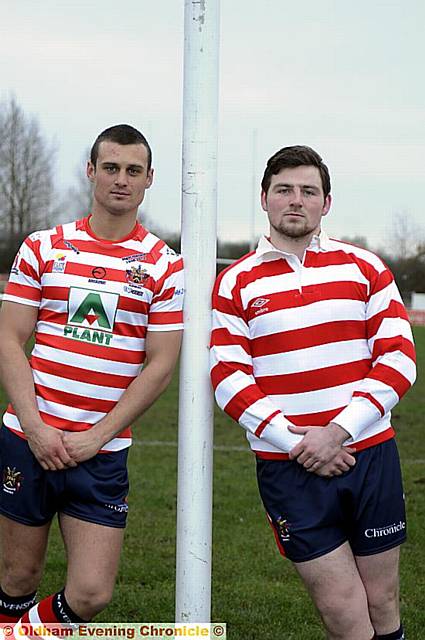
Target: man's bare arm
x,y
17,322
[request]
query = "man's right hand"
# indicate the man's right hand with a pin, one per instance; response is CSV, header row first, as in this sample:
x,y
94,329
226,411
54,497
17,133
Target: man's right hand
x,y
47,445
339,464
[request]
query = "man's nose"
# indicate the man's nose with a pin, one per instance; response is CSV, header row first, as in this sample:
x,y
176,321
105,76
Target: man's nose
x,y
296,197
121,177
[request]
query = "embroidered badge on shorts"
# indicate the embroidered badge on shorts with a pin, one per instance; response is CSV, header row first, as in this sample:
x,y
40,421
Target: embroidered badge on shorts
x,y
12,480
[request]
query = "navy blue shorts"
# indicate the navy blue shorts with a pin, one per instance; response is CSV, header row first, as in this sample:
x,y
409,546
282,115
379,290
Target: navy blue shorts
x,y
311,515
95,491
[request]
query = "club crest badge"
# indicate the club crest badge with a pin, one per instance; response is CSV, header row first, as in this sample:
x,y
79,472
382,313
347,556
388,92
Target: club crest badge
x,y
12,480
136,275
282,528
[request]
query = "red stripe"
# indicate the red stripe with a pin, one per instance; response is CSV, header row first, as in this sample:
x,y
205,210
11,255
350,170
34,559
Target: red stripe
x,y
82,375
389,376
166,317
323,378
87,349
45,610
85,403
120,328
382,346
23,291
167,294
394,310
224,369
28,270
227,306
371,399
73,425
259,430
242,400
130,330
223,337
318,418
325,333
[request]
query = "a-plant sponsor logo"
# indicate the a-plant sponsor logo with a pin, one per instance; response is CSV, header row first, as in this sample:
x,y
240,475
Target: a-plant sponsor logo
x,y
91,316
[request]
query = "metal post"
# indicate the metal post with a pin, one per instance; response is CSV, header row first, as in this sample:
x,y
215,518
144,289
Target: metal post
x,y
199,223
254,192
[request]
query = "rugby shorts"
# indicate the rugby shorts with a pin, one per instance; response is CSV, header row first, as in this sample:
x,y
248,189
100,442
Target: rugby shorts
x,y
312,516
95,491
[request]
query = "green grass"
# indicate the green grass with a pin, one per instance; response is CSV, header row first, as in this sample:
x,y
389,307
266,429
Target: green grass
x,y
254,590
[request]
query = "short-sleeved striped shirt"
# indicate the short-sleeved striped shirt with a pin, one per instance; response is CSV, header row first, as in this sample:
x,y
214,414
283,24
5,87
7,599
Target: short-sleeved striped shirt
x,y
96,301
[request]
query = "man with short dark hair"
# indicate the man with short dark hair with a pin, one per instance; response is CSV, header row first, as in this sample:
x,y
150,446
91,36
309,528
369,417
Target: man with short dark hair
x,y
311,349
104,297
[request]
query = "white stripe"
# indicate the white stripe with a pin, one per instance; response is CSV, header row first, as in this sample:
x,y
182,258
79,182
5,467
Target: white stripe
x,y
85,389
166,327
69,413
230,386
234,324
86,362
391,328
310,359
19,300
381,300
315,401
311,315
250,418
232,353
283,283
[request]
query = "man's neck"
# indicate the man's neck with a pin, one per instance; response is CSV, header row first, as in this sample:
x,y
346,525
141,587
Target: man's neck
x,y
296,246
109,227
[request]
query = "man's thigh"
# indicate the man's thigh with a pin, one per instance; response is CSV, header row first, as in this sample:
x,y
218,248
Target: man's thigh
x,y
336,588
93,553
23,549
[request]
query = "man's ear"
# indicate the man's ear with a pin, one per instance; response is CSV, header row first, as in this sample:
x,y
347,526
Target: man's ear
x,y
90,171
264,200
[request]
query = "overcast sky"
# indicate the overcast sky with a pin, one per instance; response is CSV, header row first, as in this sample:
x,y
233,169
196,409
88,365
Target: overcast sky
x,y
343,77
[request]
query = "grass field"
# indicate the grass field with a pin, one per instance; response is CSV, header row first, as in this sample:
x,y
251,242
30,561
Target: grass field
x,y
254,590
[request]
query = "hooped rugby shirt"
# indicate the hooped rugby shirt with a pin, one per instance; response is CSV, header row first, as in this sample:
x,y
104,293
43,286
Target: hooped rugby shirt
x,y
97,299
306,343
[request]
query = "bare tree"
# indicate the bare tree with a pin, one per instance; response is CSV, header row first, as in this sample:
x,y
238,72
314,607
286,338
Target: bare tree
x,y
405,238
26,174
78,199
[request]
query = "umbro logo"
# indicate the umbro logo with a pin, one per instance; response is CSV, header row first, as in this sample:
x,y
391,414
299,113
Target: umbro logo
x,y
260,302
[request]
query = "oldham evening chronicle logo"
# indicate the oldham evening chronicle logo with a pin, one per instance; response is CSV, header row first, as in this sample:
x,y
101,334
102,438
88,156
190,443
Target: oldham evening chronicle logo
x,y
91,316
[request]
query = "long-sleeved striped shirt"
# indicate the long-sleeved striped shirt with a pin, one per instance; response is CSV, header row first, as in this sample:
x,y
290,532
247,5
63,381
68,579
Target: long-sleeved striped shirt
x,y
306,343
96,301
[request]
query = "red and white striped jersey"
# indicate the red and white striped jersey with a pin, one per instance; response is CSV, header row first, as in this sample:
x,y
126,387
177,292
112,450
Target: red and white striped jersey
x,y
97,299
307,343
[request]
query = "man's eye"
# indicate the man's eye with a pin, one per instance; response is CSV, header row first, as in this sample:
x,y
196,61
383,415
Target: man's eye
x,y
110,169
134,172
308,192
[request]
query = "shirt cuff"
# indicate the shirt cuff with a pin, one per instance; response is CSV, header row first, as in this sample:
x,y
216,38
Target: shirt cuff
x,y
357,416
277,433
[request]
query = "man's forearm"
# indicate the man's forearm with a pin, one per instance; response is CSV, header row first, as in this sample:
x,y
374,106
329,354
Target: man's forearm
x,y
136,399
16,378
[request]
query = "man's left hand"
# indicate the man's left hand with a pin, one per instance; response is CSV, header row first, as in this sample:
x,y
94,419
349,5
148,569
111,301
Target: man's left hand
x,y
82,445
318,446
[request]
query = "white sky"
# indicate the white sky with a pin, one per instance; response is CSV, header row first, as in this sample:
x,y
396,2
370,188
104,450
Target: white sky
x,y
343,77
